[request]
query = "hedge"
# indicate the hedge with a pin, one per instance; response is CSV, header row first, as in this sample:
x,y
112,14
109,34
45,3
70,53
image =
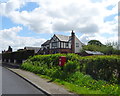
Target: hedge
x,y
18,55
79,70
106,67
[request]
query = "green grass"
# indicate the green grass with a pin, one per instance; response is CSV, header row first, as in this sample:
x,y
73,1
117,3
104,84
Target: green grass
x,y
77,82
78,90
81,90
72,87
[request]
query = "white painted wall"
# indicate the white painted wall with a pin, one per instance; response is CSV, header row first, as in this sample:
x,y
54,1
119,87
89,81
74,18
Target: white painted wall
x,y
70,44
77,49
61,44
58,44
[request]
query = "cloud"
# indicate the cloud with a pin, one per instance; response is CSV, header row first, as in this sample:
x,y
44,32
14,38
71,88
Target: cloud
x,y
83,16
9,37
87,37
10,33
10,6
60,15
90,28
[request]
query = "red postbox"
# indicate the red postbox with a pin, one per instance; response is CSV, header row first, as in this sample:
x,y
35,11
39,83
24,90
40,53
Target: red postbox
x,y
62,60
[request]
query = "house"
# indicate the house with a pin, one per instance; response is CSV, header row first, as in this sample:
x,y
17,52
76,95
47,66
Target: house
x,y
36,49
61,44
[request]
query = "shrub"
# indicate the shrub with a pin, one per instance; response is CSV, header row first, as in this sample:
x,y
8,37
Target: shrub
x,y
99,67
71,67
18,55
102,67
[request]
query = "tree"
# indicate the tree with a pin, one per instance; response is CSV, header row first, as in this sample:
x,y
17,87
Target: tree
x,y
103,48
95,45
9,49
114,44
94,42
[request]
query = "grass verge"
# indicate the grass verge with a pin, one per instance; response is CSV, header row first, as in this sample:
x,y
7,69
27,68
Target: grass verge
x,y
72,87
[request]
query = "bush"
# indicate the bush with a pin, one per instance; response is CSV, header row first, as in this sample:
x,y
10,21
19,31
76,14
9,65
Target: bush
x,y
96,68
82,80
102,67
18,55
71,67
99,67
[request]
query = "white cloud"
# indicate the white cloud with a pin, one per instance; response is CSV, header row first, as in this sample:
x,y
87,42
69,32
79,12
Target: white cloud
x,y
9,37
10,6
84,16
61,15
87,37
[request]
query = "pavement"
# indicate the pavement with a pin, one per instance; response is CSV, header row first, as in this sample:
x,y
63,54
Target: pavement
x,y
44,85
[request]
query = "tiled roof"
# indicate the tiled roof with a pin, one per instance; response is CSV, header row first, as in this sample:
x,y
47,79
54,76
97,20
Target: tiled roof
x,y
63,37
36,49
46,43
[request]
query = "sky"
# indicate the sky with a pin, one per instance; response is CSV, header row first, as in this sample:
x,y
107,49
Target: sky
x,y
32,22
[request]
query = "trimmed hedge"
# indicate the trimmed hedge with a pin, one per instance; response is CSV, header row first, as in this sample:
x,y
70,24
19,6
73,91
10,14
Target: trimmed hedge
x,y
18,55
99,67
105,67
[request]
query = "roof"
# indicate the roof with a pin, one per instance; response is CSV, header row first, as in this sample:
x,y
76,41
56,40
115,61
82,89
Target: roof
x,y
46,43
36,49
94,52
63,37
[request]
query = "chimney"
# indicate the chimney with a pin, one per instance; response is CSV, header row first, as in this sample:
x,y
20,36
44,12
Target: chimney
x,y
73,42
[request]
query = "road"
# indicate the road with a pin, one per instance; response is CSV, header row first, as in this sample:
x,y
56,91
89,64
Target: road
x,y
13,84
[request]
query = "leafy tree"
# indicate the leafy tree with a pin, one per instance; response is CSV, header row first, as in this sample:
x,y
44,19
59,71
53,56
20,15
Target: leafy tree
x,y
95,45
115,45
106,49
94,42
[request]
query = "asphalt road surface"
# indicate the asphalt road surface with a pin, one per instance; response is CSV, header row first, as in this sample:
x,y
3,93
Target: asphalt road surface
x,y
13,84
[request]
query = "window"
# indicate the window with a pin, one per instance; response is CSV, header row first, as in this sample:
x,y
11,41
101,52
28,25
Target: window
x,y
66,44
54,44
77,44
